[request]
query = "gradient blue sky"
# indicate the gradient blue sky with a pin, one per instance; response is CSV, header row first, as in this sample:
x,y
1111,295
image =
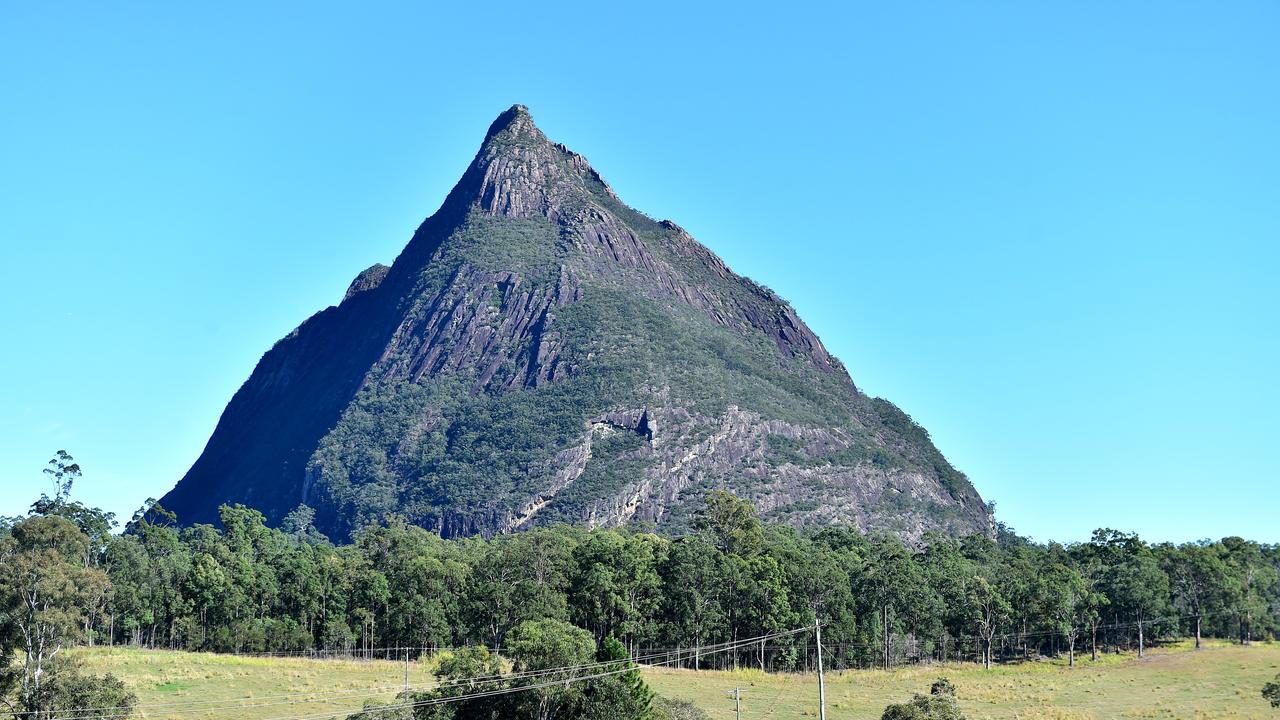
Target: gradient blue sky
x,y
1046,230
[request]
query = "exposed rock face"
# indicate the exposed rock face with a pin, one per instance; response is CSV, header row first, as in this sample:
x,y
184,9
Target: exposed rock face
x,y
367,280
541,352
483,320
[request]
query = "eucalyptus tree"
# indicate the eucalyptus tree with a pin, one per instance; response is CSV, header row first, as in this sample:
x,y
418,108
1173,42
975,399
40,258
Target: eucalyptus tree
x,y
730,523
894,583
819,575
1128,573
1139,586
949,572
1014,569
45,592
1253,577
1200,580
989,610
1064,601
694,604
429,577
615,589
755,593
521,577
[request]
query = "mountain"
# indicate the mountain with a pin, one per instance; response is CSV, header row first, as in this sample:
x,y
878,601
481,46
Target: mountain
x,y
541,352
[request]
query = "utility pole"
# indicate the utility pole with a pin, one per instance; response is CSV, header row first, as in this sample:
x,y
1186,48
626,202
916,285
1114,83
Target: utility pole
x,y
822,687
737,703
406,669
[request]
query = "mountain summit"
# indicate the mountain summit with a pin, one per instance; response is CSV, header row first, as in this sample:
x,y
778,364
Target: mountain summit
x,y
541,352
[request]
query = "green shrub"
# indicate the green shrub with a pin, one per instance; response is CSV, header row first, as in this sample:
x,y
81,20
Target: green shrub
x,y
1271,691
939,704
668,709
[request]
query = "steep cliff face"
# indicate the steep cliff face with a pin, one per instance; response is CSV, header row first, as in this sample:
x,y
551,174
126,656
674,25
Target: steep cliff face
x,y
541,352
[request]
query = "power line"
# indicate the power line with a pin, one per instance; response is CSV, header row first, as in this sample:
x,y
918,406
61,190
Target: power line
x,y
252,702
661,658
523,688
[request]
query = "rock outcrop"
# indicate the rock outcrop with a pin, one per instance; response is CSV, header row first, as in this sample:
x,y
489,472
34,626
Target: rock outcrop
x,y
541,352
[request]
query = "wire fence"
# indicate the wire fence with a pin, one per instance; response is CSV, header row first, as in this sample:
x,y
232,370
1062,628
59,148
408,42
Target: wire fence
x,y
475,687
895,649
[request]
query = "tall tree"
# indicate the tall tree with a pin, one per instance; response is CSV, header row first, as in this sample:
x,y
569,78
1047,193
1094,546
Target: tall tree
x,y
895,585
1131,578
517,578
949,573
615,588
989,610
45,591
730,523
1252,577
696,593
1064,601
428,575
1199,579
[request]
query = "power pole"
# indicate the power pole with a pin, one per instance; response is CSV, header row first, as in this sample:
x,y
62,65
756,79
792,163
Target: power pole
x,y
406,670
822,686
737,703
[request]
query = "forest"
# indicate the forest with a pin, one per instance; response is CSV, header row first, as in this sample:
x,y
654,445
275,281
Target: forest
x,y
396,590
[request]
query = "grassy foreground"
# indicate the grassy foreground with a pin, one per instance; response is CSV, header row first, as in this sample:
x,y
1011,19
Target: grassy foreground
x,y
175,684
1221,681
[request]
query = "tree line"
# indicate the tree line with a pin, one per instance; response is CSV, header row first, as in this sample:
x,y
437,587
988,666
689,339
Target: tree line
x,y
249,588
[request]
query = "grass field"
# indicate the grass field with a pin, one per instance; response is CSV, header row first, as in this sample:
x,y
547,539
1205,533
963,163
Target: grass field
x,y
204,685
1221,681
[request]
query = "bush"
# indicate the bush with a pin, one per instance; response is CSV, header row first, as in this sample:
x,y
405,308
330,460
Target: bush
x,y
1271,691
942,686
668,709
68,691
939,704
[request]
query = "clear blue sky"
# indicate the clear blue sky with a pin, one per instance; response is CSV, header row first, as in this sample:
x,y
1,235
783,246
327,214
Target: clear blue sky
x,y
1048,231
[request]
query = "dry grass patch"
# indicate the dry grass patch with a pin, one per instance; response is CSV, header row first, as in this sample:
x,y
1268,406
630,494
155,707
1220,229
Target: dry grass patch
x,y
200,685
1222,681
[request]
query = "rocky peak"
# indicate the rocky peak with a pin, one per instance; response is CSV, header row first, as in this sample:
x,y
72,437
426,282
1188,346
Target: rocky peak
x,y
512,125
541,352
368,279
520,173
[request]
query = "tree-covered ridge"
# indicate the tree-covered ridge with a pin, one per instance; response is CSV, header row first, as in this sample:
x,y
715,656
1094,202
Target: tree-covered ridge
x,y
567,597
248,587
540,352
